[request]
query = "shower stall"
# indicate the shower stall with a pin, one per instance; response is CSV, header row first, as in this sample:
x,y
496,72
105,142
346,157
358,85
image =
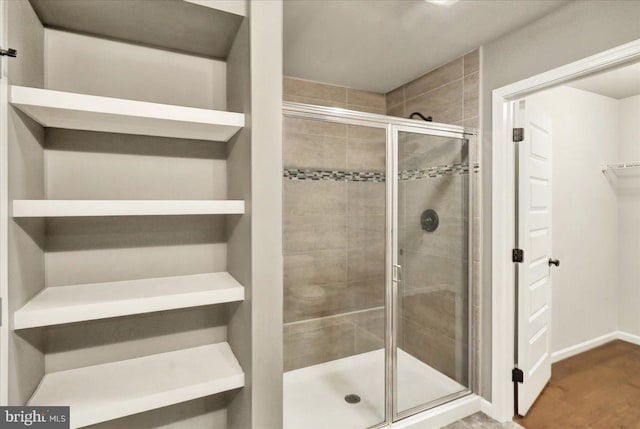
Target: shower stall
x,y
378,241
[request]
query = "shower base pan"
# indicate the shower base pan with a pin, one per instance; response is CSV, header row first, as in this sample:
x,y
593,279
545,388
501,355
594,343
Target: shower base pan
x,y
314,397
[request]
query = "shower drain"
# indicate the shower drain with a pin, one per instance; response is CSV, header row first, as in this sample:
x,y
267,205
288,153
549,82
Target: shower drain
x,y
352,398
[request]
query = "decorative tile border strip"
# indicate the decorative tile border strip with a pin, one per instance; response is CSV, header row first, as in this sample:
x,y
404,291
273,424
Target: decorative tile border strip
x,y
334,175
377,177
433,172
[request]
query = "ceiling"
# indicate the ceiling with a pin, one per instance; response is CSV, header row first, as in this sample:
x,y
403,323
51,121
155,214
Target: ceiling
x,y
618,83
378,45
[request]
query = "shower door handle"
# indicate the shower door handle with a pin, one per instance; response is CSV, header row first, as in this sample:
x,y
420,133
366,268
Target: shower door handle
x,y
397,273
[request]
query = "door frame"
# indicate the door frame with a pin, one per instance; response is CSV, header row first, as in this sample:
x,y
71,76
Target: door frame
x,y
504,211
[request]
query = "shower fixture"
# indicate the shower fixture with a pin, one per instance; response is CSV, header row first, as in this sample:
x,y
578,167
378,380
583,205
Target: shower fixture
x,y
429,220
424,118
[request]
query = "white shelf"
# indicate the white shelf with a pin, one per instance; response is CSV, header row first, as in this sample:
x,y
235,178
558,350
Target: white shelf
x,y
76,303
631,168
109,391
70,208
92,113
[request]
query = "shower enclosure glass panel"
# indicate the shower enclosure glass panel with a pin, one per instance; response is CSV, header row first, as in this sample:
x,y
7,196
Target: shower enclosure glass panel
x,y
431,278
334,274
376,267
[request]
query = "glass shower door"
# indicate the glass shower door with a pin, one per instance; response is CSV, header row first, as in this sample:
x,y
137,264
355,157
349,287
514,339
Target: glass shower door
x,y
431,269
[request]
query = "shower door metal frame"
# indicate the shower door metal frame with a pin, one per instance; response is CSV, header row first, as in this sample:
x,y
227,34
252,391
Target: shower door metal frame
x,y
392,126
471,137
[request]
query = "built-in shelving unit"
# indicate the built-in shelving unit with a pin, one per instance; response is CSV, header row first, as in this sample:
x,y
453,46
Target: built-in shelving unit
x,y
75,208
77,303
59,109
123,274
109,391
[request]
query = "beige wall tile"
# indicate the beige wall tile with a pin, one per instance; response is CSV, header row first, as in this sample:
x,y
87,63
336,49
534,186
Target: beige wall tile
x,y
444,104
366,155
314,268
356,97
449,240
443,194
315,90
366,198
366,263
315,198
432,348
363,231
370,330
305,302
472,62
318,341
435,310
395,97
397,110
311,233
470,122
307,126
324,339
314,151
442,75
314,101
419,151
471,96
425,271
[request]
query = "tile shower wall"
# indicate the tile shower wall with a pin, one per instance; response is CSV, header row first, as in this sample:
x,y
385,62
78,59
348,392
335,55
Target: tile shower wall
x,y
450,93
328,313
334,219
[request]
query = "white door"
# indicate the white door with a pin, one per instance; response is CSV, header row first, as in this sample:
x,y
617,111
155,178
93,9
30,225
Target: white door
x,y
534,238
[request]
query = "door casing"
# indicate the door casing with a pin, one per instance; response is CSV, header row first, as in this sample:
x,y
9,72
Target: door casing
x,y
503,212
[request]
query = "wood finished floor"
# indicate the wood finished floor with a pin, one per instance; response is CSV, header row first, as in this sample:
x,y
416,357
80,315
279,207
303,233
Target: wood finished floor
x,y
598,389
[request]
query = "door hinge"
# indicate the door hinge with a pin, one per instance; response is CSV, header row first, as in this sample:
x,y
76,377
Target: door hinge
x,y
517,255
517,376
518,135
8,53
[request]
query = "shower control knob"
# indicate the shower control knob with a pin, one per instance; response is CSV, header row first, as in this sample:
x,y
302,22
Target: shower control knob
x,y
555,262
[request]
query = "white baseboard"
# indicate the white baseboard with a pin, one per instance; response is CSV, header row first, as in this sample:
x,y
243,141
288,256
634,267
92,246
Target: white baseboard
x,y
593,343
583,347
630,338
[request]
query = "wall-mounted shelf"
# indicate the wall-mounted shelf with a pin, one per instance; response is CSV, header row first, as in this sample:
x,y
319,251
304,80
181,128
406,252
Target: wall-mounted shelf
x,y
622,168
59,109
76,303
74,208
109,391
